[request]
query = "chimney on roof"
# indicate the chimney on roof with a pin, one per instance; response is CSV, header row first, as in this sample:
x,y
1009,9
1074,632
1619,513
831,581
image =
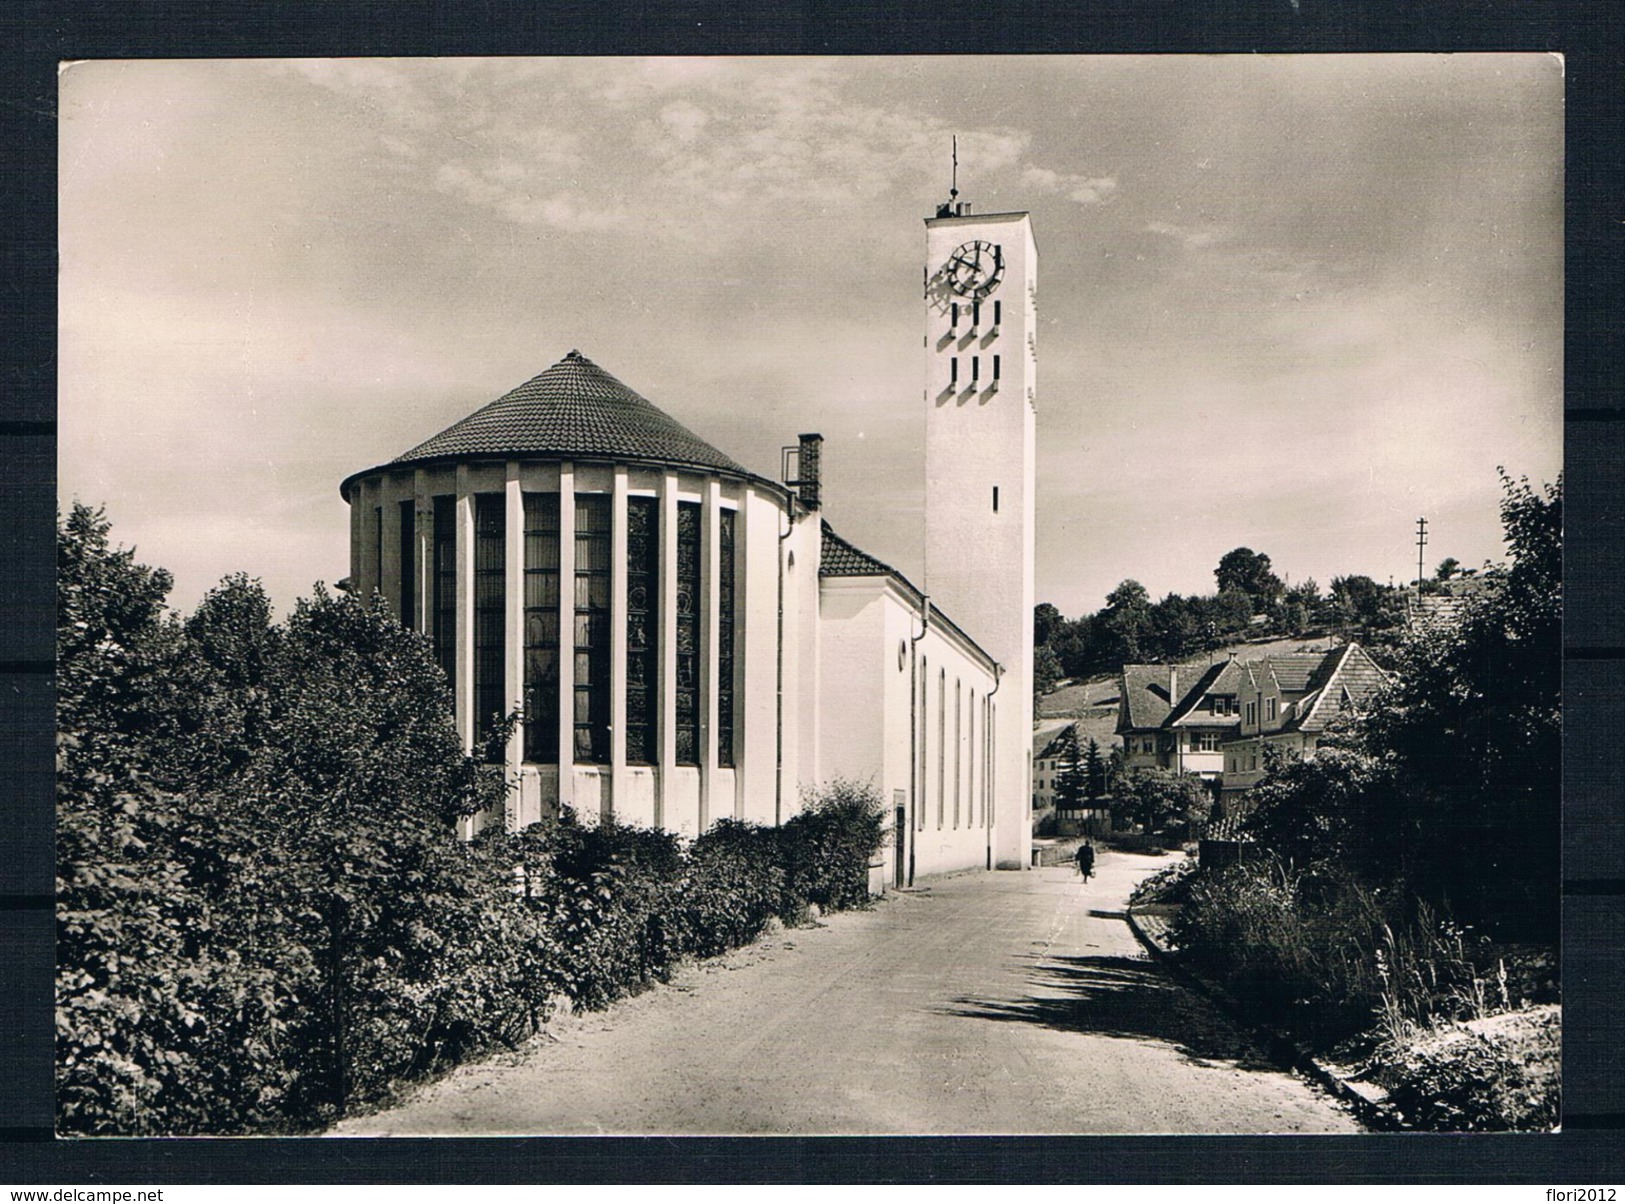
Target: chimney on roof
x,y
806,481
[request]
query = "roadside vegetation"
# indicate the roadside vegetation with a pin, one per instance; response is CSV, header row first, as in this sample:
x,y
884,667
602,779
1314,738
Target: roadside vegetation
x,y
264,916
1396,903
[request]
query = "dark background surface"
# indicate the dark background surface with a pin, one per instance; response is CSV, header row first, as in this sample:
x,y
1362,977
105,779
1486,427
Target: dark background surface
x,y
35,35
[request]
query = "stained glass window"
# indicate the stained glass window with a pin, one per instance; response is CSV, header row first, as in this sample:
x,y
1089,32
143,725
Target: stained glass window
x,y
592,708
409,565
445,584
687,719
542,627
490,619
725,641
642,629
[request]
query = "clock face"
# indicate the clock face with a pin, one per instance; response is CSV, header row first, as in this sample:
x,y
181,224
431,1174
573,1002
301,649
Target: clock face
x,y
975,269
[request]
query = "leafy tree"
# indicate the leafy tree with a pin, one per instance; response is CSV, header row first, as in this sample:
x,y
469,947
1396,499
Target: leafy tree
x,y
1472,725
1176,629
1448,568
1126,623
1046,670
1248,572
1158,798
1046,618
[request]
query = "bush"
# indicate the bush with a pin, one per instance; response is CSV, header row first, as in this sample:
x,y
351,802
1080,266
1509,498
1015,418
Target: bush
x,y
1459,1079
826,849
264,914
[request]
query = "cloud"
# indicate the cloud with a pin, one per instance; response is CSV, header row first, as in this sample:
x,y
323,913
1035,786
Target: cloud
x,y
1082,189
1192,238
504,187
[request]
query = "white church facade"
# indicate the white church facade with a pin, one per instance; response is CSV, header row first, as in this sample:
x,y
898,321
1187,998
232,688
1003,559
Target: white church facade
x,y
687,640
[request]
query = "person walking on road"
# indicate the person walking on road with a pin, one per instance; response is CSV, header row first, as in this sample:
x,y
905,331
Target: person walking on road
x,y
1086,860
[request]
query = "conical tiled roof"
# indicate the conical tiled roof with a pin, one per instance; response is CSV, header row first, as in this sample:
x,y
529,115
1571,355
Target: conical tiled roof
x,y
574,409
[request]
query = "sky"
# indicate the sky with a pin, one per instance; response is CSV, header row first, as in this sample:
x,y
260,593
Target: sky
x,y
1285,302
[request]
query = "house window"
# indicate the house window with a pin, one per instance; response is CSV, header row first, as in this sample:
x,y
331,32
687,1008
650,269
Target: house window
x,y
490,618
1251,716
1269,709
642,627
1204,741
542,627
725,641
687,719
409,565
445,584
592,708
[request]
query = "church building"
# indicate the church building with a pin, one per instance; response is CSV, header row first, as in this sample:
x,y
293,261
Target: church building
x,y
688,640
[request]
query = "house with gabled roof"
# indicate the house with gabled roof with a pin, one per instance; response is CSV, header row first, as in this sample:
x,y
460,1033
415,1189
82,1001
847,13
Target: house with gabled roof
x,y
1178,716
1287,704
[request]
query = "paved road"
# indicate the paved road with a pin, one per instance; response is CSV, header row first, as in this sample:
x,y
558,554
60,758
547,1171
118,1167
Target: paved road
x,y
983,1003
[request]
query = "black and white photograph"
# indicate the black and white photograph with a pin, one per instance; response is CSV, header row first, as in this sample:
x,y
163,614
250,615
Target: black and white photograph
x,y
810,596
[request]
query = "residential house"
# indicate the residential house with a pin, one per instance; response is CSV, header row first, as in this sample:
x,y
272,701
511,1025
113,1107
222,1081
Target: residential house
x,y
1178,716
1288,702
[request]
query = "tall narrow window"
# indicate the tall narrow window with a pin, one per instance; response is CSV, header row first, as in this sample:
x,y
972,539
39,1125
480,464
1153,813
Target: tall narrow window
x,y
409,565
953,322
592,710
975,314
725,641
942,746
542,628
975,368
490,615
959,702
924,713
998,312
995,499
688,633
445,584
642,626
995,367
953,371
377,551
971,795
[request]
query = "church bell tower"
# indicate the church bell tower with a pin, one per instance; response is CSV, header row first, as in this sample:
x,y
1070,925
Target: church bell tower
x,y
981,274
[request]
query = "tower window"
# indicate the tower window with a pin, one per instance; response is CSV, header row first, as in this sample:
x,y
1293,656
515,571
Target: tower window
x,y
688,633
592,710
542,627
995,367
409,559
953,321
642,626
953,371
975,314
995,499
998,312
490,619
975,368
942,747
445,584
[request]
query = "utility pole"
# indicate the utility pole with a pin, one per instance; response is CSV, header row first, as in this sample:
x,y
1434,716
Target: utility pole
x,y
1421,542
